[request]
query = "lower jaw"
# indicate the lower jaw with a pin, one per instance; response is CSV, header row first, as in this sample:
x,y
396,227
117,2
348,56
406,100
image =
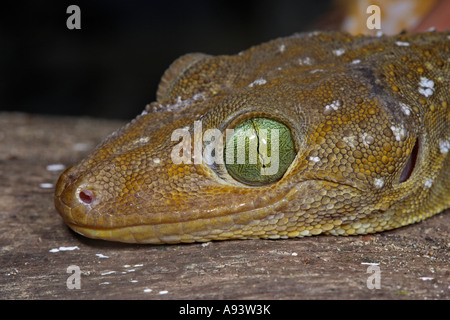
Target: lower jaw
x,y
145,234
239,225
150,234
133,234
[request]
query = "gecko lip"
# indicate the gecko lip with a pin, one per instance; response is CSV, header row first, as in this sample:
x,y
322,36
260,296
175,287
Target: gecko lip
x,y
129,234
84,219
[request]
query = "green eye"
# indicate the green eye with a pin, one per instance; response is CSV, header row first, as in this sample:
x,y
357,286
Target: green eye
x,y
258,151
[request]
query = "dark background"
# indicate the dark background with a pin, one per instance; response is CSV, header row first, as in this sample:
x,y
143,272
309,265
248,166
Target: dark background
x,y
111,67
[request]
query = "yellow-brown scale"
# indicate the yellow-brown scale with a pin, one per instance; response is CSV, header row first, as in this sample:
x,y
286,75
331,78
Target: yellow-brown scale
x,y
369,117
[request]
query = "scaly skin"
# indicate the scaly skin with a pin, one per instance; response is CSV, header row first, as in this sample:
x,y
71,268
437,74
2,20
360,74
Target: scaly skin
x,y
356,107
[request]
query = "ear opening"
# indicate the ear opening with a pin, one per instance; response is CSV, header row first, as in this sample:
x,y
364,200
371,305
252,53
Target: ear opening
x,y
410,164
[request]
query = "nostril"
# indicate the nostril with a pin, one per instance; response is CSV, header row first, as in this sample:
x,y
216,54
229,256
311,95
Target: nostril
x,y
87,196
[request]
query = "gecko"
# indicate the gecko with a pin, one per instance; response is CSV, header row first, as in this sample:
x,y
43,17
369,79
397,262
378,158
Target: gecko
x,y
361,140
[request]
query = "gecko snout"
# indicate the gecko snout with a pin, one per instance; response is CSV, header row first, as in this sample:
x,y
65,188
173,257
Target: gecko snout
x,y
73,198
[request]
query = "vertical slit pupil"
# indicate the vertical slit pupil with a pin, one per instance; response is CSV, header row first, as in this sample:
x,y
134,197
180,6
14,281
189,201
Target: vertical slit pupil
x,y
410,164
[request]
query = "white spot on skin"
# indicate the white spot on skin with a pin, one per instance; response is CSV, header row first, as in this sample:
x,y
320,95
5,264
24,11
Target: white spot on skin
x,y
259,81
444,146
179,105
402,44
428,183
405,108
315,70
333,106
148,290
339,52
378,183
156,160
367,139
315,159
198,96
306,61
426,92
425,82
143,140
399,133
350,141
106,273
314,34
101,256
46,185
163,292
356,61
426,86
282,48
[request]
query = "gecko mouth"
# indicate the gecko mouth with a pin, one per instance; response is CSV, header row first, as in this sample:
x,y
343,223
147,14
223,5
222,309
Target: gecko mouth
x,y
248,220
130,234
211,224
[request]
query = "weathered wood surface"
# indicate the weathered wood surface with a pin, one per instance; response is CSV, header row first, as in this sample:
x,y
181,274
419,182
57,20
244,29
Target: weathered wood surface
x,y
414,261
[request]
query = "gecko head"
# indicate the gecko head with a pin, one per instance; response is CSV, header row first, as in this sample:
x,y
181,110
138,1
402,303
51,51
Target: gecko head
x,y
332,152
165,178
